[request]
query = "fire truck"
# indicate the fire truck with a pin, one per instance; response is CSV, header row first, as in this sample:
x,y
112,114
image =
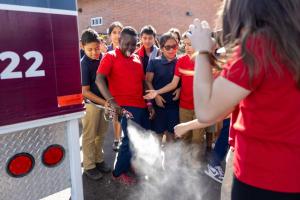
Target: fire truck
x,y
40,99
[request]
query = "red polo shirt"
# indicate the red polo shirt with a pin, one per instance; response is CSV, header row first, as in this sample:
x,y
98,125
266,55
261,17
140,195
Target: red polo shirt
x,y
267,125
125,78
185,70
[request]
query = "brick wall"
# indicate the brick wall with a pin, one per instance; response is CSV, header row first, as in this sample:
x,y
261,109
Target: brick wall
x,y
162,14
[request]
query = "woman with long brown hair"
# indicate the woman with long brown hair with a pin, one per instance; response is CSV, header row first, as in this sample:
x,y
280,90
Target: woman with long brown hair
x,y
261,83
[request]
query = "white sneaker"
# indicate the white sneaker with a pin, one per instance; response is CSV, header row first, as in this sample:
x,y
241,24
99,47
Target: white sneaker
x,y
215,173
220,170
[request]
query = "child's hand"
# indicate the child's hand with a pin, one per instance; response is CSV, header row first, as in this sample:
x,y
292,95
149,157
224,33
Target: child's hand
x,y
151,112
176,94
180,130
200,36
151,94
160,101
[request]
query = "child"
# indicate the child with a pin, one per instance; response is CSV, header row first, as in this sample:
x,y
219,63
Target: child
x,y
160,72
148,49
125,76
176,32
94,125
184,72
262,78
103,46
114,31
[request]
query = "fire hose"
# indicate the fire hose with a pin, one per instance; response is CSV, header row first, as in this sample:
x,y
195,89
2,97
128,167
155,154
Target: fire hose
x,y
110,112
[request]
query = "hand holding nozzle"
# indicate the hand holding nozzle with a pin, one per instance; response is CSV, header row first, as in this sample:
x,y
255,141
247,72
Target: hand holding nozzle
x,y
112,109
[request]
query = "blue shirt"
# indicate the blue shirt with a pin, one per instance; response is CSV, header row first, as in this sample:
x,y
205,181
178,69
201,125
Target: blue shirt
x,y
88,73
110,47
81,53
163,74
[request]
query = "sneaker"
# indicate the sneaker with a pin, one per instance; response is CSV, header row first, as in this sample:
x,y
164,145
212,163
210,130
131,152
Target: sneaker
x,y
116,145
215,173
93,174
220,170
103,167
124,179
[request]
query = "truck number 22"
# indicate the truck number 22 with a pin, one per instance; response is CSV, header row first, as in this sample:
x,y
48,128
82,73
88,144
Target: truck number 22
x,y
9,73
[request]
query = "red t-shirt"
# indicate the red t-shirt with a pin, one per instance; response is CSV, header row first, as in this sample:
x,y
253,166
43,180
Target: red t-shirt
x,y
233,119
185,70
125,78
267,126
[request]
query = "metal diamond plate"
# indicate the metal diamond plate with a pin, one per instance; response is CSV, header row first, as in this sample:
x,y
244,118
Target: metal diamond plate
x,y
41,181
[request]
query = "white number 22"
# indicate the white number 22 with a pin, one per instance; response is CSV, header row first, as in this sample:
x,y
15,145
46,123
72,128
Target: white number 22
x,y
9,73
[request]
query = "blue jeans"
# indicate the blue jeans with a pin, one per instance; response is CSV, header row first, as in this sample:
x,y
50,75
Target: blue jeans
x,y
123,158
221,146
165,119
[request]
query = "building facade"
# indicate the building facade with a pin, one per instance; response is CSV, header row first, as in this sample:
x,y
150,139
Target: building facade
x,y
162,14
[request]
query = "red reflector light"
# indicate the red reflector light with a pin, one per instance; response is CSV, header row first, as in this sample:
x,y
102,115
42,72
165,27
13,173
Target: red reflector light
x,y
53,155
20,165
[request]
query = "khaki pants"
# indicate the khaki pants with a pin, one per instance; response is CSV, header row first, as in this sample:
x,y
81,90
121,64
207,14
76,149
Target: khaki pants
x,y
227,181
94,130
197,136
194,139
194,136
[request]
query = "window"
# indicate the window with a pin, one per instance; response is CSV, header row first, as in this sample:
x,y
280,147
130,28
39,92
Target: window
x,y
96,21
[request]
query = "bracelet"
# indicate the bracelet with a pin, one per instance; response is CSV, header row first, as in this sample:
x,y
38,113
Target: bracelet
x,y
211,57
204,52
149,104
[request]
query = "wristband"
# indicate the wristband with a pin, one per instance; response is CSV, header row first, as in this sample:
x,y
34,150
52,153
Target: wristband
x,y
149,104
204,52
211,58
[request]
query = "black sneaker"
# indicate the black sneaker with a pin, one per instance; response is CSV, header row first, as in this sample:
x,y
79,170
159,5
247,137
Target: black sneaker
x,y
103,167
116,145
93,174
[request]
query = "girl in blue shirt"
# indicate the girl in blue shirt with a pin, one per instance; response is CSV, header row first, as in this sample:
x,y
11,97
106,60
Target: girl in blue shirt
x,y
160,72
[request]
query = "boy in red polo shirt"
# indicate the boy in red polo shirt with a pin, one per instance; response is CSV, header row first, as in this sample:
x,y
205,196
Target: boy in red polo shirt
x,y
125,76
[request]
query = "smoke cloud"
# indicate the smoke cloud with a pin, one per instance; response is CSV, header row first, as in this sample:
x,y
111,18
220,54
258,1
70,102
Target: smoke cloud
x,y
166,173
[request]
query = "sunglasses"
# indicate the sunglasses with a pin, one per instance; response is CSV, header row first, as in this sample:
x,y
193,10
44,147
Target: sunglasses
x,y
169,47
